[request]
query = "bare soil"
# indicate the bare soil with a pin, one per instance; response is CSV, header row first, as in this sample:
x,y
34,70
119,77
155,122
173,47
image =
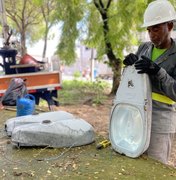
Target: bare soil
x,y
99,117
81,162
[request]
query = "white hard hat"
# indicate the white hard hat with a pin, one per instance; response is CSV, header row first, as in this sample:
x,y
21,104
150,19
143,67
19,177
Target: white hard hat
x,y
157,12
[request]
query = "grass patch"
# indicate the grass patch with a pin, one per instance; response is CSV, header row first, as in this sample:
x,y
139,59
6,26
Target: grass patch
x,y
80,92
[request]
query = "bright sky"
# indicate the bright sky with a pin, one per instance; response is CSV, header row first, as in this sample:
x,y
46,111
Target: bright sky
x,y
37,49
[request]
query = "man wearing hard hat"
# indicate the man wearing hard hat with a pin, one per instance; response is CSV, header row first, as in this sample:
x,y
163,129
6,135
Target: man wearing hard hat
x,y
157,58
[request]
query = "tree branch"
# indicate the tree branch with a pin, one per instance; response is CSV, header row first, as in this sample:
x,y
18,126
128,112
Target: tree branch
x,y
101,4
109,3
104,15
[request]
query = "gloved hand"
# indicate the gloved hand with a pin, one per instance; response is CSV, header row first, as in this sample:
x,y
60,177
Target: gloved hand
x,y
130,59
146,65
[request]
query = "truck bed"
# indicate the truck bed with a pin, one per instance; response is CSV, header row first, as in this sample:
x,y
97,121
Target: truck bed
x,y
35,81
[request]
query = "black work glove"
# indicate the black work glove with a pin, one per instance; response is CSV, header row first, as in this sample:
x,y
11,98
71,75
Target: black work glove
x,y
146,65
130,59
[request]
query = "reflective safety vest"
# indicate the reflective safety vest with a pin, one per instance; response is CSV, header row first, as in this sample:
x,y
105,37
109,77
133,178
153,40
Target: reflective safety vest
x,y
162,98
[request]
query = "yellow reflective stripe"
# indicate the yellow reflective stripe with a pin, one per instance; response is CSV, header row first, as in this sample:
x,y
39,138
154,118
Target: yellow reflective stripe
x,y
162,98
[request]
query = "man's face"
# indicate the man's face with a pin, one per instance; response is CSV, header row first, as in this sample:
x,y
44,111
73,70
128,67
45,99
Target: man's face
x,y
159,34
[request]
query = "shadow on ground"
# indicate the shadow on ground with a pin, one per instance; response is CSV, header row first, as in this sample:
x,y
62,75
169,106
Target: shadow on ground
x,y
84,162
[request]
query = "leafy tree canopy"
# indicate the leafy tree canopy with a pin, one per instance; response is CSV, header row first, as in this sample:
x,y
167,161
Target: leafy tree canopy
x,y
83,22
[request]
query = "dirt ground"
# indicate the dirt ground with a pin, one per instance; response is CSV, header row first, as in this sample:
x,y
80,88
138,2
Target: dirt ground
x,y
99,117
78,163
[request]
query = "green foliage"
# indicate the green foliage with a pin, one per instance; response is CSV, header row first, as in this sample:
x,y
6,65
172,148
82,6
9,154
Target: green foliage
x,y
80,92
99,87
70,13
76,75
24,16
83,22
31,19
94,32
34,34
125,18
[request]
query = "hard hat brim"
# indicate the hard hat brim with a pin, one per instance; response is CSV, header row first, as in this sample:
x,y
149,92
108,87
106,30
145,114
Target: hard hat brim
x,y
157,22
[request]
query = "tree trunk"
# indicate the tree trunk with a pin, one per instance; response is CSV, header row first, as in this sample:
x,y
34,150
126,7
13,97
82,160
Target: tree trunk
x,y
114,62
45,41
116,79
45,46
23,44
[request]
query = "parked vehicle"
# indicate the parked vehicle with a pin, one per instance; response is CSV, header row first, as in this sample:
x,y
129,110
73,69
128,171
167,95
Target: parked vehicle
x,y
40,82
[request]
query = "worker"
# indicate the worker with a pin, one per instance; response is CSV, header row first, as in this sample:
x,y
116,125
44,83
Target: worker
x,y
157,58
